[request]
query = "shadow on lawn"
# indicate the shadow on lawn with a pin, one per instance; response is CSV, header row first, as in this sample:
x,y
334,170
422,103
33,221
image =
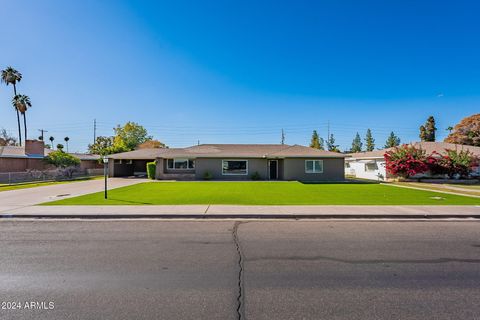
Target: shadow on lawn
x,y
129,201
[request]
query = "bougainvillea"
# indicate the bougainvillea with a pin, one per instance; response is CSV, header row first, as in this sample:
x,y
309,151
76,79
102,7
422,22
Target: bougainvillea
x,y
455,163
406,161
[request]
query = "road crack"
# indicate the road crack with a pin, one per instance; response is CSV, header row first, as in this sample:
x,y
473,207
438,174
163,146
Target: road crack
x,y
241,294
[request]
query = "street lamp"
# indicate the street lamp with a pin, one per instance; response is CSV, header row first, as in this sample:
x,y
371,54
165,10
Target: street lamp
x,y
105,173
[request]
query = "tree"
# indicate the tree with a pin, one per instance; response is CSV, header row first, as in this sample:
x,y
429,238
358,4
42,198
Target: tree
x,y
467,131
369,141
392,141
331,146
315,141
51,140
61,159
151,144
406,161
356,144
22,102
60,147
321,142
12,76
130,136
6,139
427,131
66,139
103,146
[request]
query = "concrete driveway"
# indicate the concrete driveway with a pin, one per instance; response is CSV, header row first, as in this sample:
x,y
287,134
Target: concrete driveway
x,y
15,199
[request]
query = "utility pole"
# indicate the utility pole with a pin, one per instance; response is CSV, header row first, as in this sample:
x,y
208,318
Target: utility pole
x,y
283,136
328,129
94,130
42,131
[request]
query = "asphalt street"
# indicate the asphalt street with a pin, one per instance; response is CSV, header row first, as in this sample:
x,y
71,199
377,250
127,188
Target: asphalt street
x,y
153,269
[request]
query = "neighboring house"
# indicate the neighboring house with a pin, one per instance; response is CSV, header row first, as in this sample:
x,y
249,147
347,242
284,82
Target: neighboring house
x,y
366,165
233,162
32,155
371,165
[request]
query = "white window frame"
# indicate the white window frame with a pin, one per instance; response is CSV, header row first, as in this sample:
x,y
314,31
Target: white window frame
x,y
313,166
235,174
174,160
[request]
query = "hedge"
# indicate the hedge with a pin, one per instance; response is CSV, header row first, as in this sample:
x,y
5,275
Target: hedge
x,y
151,168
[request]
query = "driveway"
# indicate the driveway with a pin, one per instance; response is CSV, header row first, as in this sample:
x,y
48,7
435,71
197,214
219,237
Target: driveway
x,y
15,199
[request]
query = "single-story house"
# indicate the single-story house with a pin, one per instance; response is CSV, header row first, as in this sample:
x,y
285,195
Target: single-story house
x,y
32,155
232,162
371,165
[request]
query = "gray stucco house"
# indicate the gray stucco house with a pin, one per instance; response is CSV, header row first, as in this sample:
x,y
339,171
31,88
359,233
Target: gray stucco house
x,y
233,162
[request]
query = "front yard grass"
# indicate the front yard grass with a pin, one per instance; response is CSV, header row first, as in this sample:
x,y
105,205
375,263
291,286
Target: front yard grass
x,y
266,193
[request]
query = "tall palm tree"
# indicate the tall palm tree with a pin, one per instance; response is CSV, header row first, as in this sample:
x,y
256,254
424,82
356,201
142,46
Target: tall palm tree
x,y
51,141
12,76
66,141
22,102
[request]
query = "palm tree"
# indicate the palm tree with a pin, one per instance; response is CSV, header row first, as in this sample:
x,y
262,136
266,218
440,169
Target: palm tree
x,y
21,103
66,141
51,140
12,76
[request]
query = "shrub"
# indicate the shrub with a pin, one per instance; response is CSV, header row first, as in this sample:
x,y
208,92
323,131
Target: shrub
x,y
151,168
61,159
207,176
256,176
407,161
455,163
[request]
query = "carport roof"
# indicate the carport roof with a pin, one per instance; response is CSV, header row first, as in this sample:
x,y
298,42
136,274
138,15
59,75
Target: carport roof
x,y
230,151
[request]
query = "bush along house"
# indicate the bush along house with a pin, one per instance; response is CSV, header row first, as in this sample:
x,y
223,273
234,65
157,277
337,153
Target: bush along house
x,y
232,162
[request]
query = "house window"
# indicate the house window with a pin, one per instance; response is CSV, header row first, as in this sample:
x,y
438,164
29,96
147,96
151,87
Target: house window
x,y
234,167
370,167
313,166
128,161
347,164
180,164
117,161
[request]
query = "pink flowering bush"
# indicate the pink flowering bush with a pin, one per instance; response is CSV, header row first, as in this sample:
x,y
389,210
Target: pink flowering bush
x,y
406,161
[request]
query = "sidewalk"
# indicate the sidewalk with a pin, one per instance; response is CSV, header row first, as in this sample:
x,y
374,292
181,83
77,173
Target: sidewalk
x,y
230,211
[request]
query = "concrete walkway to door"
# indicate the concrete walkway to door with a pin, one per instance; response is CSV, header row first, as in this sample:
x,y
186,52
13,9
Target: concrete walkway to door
x,y
15,199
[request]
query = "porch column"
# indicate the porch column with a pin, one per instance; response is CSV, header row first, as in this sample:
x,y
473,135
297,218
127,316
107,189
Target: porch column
x,y
159,169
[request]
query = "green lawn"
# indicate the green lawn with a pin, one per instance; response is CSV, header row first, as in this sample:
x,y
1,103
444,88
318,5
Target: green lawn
x,y
26,185
266,193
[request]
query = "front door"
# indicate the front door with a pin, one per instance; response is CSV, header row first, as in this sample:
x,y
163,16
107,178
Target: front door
x,y
273,169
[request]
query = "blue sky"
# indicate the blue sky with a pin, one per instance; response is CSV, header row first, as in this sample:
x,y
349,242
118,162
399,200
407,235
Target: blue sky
x,y
240,71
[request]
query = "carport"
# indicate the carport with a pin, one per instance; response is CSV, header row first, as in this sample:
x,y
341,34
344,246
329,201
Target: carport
x,y
133,163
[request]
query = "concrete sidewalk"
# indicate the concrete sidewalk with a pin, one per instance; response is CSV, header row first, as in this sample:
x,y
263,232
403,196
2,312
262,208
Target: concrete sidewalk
x,y
233,211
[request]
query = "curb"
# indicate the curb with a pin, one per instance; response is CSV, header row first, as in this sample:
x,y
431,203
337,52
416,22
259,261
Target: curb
x,y
243,216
